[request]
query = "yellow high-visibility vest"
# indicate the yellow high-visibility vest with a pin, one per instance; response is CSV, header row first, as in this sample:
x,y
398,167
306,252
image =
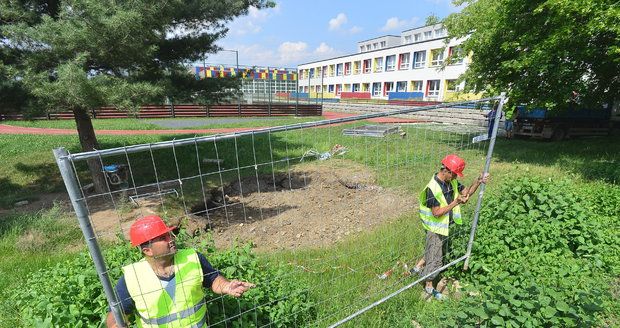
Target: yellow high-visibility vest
x,y
439,225
180,304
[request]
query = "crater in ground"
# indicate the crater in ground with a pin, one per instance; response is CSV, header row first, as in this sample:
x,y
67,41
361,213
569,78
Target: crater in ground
x,y
317,205
311,205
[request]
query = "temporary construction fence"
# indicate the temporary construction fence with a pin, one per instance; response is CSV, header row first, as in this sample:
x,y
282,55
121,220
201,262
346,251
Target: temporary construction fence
x,y
337,211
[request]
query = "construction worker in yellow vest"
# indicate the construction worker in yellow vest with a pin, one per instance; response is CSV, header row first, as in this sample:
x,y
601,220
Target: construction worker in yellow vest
x,y
440,207
167,287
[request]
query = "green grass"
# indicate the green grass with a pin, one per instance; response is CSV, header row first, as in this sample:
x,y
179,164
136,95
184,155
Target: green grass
x,y
30,242
98,124
147,124
407,164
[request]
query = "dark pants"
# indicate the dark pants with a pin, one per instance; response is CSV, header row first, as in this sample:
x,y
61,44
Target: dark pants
x,y
437,246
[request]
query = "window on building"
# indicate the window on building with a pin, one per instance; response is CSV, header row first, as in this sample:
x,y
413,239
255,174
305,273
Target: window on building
x,y
407,39
375,45
383,44
419,59
365,87
347,88
338,89
367,66
404,61
311,72
389,87
355,87
401,86
378,64
347,68
456,55
331,70
324,71
301,89
361,48
390,63
317,89
440,32
428,35
417,37
368,47
339,69
436,57
416,86
433,88
330,88
452,85
376,89
356,66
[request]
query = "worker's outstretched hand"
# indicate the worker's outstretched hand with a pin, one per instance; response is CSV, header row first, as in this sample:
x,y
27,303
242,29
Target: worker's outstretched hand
x,y
462,199
484,177
236,288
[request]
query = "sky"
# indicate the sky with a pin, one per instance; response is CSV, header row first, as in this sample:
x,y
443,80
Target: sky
x,y
302,31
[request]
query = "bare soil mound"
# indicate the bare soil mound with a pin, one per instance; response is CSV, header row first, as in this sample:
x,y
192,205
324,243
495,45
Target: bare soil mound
x,y
312,205
317,205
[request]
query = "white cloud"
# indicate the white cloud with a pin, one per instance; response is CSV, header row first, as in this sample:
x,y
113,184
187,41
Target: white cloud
x,y
394,23
355,29
291,52
287,54
337,22
252,22
323,49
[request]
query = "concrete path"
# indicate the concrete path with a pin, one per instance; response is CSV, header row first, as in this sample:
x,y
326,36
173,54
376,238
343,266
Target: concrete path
x,y
10,129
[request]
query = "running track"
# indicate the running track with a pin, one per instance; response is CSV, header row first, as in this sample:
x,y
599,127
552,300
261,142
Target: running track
x,y
10,129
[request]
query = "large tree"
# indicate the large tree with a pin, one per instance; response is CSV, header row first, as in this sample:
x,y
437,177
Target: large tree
x,y
543,52
79,55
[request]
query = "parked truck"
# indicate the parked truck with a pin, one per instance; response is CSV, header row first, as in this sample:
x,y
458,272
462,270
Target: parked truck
x,y
570,122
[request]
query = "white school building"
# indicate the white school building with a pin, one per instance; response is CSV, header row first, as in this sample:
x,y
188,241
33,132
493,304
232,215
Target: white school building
x,y
405,67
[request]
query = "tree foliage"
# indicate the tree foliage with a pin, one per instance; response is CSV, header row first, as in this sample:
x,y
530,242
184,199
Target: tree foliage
x,y
541,51
84,53
78,55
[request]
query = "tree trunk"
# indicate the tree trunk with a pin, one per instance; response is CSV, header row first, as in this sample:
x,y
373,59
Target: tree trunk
x,y
88,141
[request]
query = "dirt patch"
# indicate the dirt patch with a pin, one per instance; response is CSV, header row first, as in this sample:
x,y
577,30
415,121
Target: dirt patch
x,y
312,205
318,205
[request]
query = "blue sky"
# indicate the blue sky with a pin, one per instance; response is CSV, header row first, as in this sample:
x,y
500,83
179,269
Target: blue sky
x,y
301,31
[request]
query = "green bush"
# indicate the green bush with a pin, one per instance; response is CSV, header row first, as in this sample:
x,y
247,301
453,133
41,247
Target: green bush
x,y
70,294
544,256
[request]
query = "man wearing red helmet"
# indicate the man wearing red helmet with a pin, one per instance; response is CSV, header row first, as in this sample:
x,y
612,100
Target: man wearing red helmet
x,y
439,208
166,288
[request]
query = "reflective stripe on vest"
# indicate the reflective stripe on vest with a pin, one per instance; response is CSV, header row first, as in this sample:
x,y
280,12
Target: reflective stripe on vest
x,y
439,225
181,306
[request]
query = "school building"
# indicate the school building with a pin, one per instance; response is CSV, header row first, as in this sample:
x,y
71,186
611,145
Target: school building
x,y
405,67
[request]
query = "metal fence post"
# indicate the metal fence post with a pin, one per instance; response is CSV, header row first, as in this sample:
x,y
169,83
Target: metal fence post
x,y
269,91
297,95
78,202
487,165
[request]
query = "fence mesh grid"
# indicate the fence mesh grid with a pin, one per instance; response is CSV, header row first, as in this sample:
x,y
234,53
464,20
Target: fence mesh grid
x,y
332,206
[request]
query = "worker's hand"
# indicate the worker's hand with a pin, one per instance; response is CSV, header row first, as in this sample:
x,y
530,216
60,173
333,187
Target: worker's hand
x,y
462,199
483,178
236,288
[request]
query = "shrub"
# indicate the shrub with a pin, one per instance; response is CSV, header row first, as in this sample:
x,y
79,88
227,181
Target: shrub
x,y
70,294
544,255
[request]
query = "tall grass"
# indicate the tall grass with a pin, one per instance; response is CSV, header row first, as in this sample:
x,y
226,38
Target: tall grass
x,y
40,239
29,242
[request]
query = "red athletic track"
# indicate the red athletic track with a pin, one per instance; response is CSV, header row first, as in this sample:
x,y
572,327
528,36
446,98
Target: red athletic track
x,y
10,129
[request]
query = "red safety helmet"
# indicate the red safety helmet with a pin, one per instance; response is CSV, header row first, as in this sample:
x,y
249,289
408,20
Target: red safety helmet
x,y
147,228
454,163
